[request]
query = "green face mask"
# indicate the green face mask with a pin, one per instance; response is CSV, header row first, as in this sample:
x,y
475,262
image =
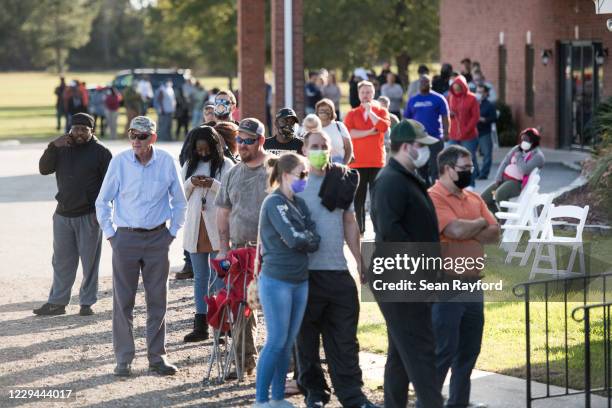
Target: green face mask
x,y
318,158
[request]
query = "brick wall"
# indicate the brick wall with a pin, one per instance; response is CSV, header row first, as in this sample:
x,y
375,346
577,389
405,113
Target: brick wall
x,y
278,56
252,58
470,28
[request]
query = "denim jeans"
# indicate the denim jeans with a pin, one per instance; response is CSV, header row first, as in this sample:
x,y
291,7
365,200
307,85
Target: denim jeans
x,y
458,330
164,126
203,276
472,146
283,306
486,147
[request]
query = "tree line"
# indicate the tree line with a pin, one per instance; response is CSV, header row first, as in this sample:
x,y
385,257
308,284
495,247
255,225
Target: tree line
x,y
201,34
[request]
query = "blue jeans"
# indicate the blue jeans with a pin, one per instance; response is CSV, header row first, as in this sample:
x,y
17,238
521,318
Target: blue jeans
x,y
164,126
472,146
486,147
458,330
202,278
197,116
283,306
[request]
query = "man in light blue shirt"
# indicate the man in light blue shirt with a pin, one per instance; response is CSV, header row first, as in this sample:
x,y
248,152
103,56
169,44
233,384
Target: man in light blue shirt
x,y
141,191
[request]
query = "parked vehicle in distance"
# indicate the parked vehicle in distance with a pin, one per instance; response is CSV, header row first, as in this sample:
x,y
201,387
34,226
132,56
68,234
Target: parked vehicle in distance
x,y
157,76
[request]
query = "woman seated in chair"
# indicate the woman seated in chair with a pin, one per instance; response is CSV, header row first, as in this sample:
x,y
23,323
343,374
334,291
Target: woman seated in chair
x,y
514,170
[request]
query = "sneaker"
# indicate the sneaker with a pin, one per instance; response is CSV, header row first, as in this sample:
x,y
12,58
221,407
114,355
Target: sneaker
x,y
368,404
186,273
315,404
163,367
49,309
85,310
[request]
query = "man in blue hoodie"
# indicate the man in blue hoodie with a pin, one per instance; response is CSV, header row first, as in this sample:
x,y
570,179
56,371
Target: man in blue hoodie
x,y
488,115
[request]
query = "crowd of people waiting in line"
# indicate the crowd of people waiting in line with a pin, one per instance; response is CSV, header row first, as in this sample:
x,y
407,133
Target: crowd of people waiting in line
x,y
301,193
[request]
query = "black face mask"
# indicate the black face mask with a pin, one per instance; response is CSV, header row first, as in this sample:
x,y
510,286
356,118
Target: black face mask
x,y
206,158
465,177
288,131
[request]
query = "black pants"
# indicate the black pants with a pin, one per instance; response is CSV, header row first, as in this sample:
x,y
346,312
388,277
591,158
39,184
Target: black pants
x,y
366,178
429,172
101,117
411,356
333,312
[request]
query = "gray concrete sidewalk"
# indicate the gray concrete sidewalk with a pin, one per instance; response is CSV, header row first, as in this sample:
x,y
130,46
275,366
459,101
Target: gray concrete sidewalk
x,y
494,390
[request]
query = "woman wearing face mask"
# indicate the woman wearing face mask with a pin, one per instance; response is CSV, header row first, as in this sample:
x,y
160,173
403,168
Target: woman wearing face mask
x,y
514,170
204,166
341,145
287,235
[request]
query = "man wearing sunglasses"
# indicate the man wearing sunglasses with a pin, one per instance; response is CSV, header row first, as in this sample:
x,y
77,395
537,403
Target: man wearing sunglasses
x,y
243,189
142,190
285,139
79,162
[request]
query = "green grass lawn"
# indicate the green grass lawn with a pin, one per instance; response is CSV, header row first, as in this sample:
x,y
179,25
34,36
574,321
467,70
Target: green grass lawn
x,y
503,346
27,109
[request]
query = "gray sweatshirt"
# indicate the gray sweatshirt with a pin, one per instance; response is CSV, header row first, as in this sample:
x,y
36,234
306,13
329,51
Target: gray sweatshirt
x,y
536,160
287,235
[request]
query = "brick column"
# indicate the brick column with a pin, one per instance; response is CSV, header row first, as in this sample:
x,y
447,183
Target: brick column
x,y
278,56
252,58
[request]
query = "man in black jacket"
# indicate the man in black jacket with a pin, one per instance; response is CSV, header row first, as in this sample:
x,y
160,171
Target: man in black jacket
x,y
79,162
403,212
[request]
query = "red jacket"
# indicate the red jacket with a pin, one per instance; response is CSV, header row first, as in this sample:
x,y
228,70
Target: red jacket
x,y
464,112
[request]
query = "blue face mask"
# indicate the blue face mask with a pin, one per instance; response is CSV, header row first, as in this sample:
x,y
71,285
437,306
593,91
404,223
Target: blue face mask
x,y
298,185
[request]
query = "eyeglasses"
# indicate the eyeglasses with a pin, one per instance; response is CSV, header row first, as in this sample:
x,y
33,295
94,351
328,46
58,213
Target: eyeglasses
x,y
324,112
140,136
247,141
301,175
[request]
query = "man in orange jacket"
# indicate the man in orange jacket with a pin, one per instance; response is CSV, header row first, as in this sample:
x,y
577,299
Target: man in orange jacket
x,y
367,125
464,114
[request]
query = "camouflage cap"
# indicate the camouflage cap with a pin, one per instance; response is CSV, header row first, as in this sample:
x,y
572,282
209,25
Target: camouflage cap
x,y
143,124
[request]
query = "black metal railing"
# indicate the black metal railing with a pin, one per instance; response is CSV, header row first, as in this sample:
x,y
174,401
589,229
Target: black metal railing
x,y
587,315
561,290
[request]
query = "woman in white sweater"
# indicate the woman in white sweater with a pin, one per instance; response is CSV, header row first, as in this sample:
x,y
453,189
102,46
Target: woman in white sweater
x,y
204,167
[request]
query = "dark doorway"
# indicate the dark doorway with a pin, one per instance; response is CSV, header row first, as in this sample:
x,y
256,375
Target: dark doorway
x,y
580,79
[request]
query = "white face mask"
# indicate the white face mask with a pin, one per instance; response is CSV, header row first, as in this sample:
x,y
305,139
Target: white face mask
x,y
478,96
525,146
422,157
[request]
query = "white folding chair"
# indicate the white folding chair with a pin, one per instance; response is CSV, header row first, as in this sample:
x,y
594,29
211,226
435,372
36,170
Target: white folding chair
x,y
536,219
520,217
549,240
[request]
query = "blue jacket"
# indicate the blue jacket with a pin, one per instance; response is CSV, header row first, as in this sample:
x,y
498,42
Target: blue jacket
x,y
487,111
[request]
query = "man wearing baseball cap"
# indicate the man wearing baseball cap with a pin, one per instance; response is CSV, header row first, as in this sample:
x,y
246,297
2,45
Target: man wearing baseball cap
x,y
243,189
79,162
403,212
142,190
